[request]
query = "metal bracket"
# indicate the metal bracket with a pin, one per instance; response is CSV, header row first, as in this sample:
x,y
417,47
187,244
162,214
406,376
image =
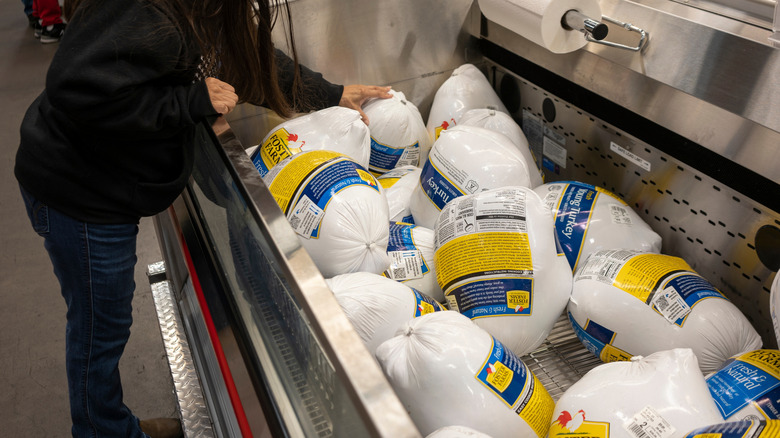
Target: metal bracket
x,y
644,36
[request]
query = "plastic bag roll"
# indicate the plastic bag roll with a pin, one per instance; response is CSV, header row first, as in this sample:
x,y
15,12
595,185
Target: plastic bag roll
x,y
540,20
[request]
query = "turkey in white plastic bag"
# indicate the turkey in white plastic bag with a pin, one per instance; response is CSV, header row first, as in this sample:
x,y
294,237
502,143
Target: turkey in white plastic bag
x,y
335,129
466,88
503,123
399,185
398,133
589,218
377,306
498,263
662,395
337,209
747,387
463,161
739,429
625,303
457,432
410,248
446,370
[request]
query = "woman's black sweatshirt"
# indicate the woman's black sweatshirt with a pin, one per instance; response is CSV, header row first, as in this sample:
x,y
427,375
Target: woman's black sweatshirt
x,y
110,139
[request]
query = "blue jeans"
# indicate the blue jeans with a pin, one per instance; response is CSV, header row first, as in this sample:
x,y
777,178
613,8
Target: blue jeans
x,y
27,6
95,266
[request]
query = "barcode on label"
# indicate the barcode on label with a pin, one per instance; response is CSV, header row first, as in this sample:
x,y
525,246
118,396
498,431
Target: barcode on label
x,y
662,303
398,273
647,423
295,221
637,431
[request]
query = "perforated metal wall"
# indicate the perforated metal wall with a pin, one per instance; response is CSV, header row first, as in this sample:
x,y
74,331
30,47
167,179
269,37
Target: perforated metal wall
x,y
700,219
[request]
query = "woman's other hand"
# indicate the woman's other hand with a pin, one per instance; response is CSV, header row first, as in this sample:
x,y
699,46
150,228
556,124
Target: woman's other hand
x,y
354,96
223,96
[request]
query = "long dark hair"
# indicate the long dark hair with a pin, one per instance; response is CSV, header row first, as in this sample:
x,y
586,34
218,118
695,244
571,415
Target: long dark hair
x,y
236,36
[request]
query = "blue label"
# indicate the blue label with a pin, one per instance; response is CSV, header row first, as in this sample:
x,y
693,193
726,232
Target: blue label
x,y
257,160
572,218
737,429
737,384
331,178
408,219
421,308
401,239
384,158
497,296
505,374
591,343
692,288
438,188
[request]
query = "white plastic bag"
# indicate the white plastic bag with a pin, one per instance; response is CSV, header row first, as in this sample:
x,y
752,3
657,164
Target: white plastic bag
x,y
410,248
336,129
662,395
457,432
446,370
398,133
399,184
466,88
463,161
497,263
626,303
739,429
503,123
747,387
377,306
589,218
337,208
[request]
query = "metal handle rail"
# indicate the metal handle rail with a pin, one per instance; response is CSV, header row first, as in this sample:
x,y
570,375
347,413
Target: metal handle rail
x,y
595,31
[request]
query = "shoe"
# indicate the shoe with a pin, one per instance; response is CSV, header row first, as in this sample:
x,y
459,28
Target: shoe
x,y
162,427
37,28
52,33
32,20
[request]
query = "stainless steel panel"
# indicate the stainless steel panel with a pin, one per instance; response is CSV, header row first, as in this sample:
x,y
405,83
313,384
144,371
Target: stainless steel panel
x,y
700,219
712,83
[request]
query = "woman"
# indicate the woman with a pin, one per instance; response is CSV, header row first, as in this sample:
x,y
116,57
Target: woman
x,y
109,141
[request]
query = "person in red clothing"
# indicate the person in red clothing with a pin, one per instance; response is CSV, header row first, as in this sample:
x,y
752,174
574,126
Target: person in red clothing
x,y
49,27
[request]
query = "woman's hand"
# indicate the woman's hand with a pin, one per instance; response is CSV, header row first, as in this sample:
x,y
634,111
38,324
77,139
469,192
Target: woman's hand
x,y
223,96
354,96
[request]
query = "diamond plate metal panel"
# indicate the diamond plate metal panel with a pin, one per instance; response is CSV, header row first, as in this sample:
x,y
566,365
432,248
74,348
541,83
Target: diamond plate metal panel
x,y
194,413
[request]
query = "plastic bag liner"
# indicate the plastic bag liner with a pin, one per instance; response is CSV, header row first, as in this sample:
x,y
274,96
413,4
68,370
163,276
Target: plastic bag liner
x,y
446,370
399,184
377,306
463,161
774,305
457,432
466,88
625,303
503,123
410,249
739,429
337,208
589,218
747,387
662,395
497,263
398,133
336,129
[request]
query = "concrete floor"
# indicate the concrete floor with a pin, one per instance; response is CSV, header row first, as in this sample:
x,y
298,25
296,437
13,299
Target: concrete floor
x,y
33,388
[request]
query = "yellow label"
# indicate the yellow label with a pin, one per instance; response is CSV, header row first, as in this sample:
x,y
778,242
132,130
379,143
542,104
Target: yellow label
x,y
518,298
276,148
708,435
772,429
610,353
367,177
766,360
439,129
387,182
538,412
500,377
289,179
574,425
641,273
426,308
607,192
476,253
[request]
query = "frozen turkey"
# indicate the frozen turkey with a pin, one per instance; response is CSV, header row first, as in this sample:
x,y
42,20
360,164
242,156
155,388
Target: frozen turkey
x,y
457,432
503,123
446,370
336,129
377,306
399,184
466,88
497,263
398,133
336,207
625,303
739,429
747,387
589,218
463,161
410,248
661,395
